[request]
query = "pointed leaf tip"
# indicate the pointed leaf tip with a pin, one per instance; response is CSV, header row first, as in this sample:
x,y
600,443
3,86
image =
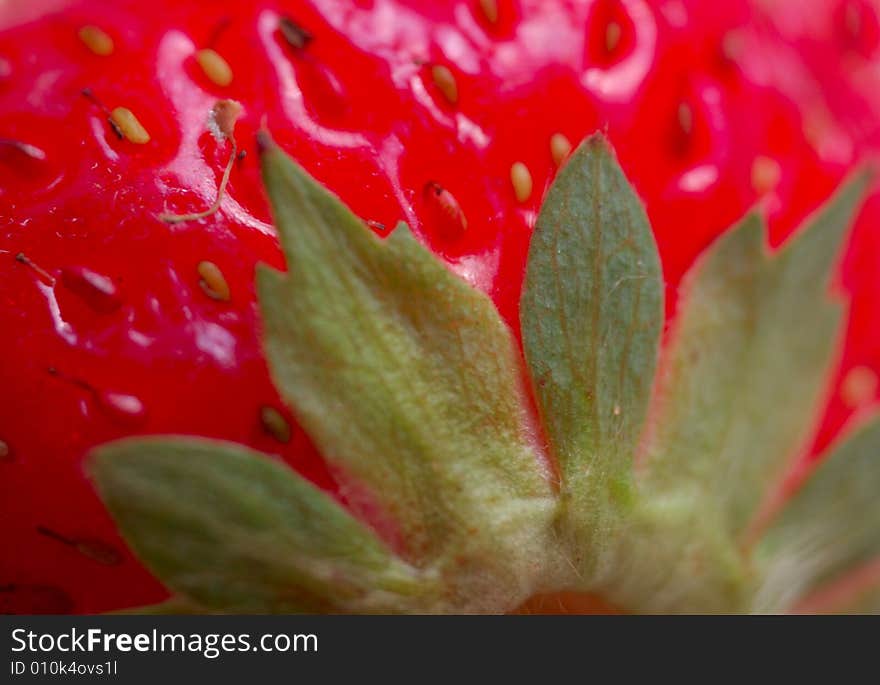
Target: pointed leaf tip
x,y
264,141
408,381
591,313
747,359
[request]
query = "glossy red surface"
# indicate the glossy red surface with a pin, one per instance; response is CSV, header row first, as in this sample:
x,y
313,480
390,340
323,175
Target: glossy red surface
x,y
105,330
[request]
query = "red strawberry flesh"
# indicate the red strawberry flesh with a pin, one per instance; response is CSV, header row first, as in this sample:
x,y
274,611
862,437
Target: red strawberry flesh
x,y
106,329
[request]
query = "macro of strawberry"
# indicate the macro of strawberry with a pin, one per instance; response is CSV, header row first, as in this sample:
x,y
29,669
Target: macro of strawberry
x,y
452,117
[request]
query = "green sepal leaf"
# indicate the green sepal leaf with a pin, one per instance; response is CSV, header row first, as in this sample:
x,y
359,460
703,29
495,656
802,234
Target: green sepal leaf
x,y
747,363
236,531
409,382
830,527
591,315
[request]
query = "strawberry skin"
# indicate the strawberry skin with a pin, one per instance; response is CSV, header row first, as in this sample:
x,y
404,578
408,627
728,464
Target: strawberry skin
x,y
107,332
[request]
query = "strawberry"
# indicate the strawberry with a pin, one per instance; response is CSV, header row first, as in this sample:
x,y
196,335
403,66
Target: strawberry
x,y
130,316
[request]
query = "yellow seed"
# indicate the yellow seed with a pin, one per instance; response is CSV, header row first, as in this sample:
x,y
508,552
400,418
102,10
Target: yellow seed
x,y
560,146
275,424
612,36
98,550
859,386
766,173
213,282
685,118
129,126
852,19
490,10
96,40
215,67
732,45
521,179
4,450
445,82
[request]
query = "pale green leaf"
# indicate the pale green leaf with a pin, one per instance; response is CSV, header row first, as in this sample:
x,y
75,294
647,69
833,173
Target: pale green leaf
x,y
747,363
237,531
409,383
591,317
829,528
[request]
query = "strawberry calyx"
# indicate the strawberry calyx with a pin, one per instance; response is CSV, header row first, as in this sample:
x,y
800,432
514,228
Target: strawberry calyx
x,y
639,482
